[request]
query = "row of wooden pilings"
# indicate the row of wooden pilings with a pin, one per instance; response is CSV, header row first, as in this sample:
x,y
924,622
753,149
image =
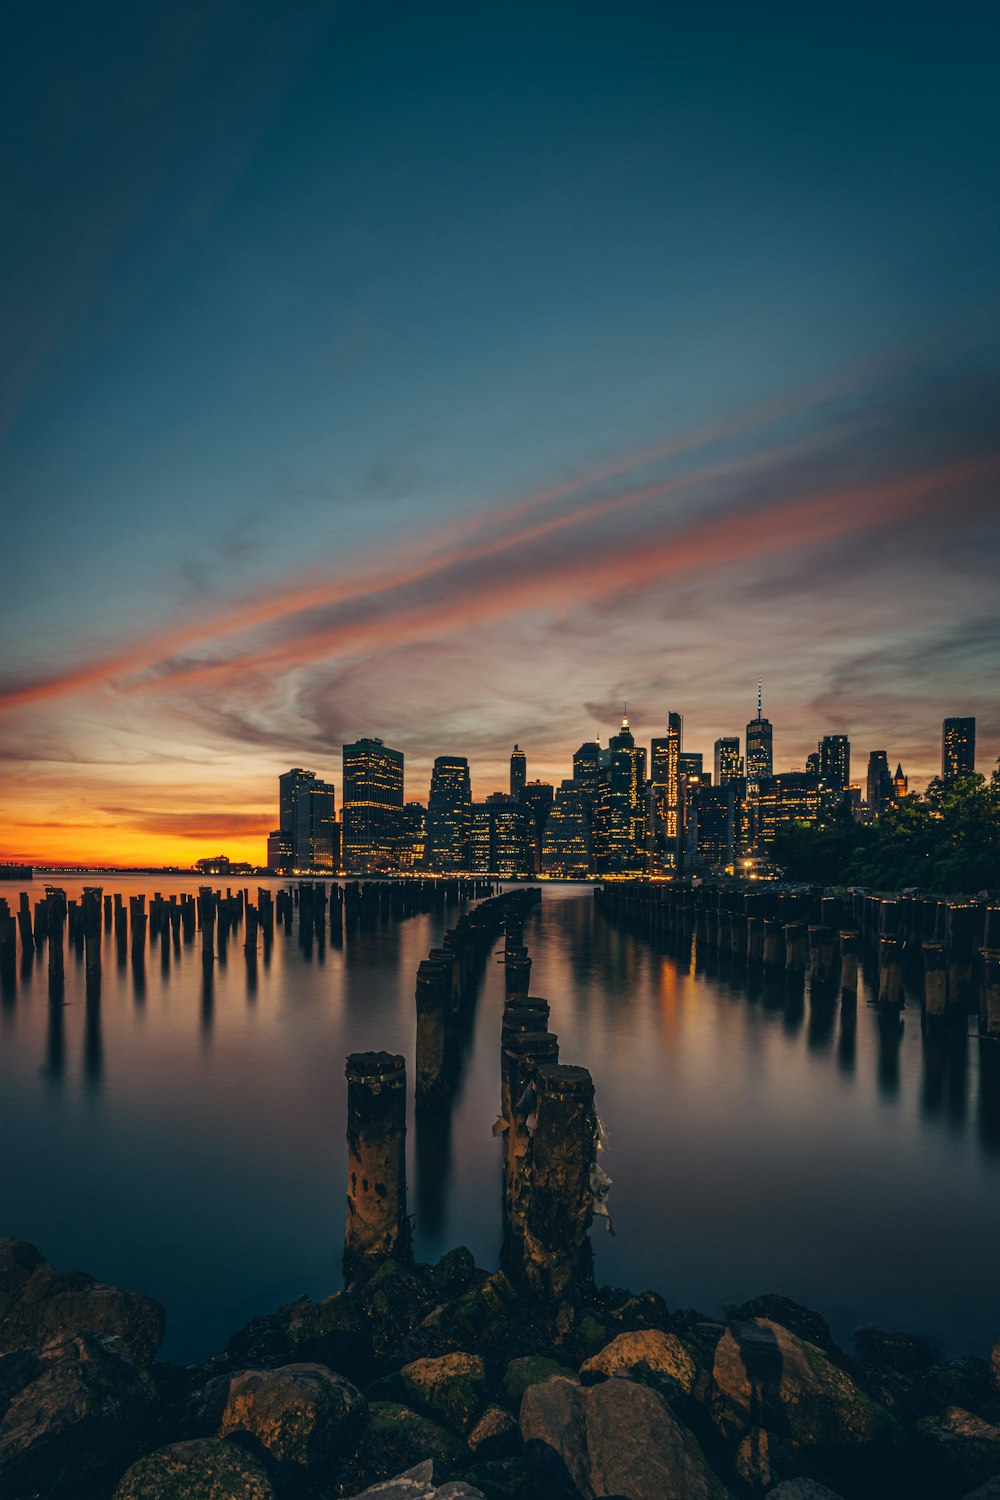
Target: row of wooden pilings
x,y
547,1120
217,916
943,954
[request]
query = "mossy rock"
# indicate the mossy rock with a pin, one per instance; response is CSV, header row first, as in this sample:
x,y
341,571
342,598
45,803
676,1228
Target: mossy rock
x,y
529,1370
210,1467
396,1438
452,1386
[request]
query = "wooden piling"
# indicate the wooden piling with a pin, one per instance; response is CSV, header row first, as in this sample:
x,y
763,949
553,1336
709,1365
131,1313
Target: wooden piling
x,y
558,1259
377,1225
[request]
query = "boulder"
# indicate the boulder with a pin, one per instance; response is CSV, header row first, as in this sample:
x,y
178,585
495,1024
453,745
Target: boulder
x,y
905,1353
396,1437
393,1301
531,1369
71,1412
481,1315
960,1447
801,1321
662,1355
502,1479
639,1310
956,1382
452,1387
206,1468
333,1331
39,1304
763,1458
303,1414
616,1438
495,1435
420,1483
454,1272
763,1376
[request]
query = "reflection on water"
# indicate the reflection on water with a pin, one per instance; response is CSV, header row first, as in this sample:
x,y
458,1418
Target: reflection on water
x,y
175,1120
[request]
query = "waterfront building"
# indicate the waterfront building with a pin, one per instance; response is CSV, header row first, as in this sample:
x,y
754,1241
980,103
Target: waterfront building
x,y
537,797
626,844
518,771
879,783
316,835
665,797
791,797
290,783
711,827
590,772
413,842
449,814
760,746
728,760
279,852
567,847
372,813
501,838
958,748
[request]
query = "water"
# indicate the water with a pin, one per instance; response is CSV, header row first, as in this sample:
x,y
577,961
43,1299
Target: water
x,y
187,1139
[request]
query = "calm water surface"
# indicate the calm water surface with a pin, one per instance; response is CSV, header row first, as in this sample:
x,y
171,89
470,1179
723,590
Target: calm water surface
x,y
185,1136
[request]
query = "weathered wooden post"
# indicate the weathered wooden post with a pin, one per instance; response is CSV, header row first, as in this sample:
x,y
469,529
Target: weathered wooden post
x,y
850,944
795,948
523,1054
433,1027
890,971
377,1225
92,929
774,944
820,955
755,941
558,1258
961,922
990,1022
24,923
935,980
517,974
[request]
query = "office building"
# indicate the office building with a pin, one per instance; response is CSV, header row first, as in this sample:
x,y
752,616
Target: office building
x,y
501,838
567,850
537,798
958,748
518,771
760,746
626,845
413,842
665,797
792,797
879,783
372,814
279,852
449,815
316,836
710,829
834,766
590,773
728,760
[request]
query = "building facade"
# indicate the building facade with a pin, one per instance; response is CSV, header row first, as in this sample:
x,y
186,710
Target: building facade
x,y
372,807
958,748
449,815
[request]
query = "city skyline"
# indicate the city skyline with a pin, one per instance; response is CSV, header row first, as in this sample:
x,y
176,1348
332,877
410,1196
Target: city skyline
x,y
458,391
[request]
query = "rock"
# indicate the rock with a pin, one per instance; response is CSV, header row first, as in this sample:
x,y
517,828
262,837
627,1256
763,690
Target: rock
x,y
39,1304
502,1479
617,1438
763,1376
956,1382
453,1387
303,1414
530,1370
801,1321
903,1352
494,1435
661,1354
480,1316
588,1336
763,1458
70,1413
331,1332
203,1469
420,1483
960,1446
396,1437
644,1310
454,1272
801,1489
394,1301
988,1491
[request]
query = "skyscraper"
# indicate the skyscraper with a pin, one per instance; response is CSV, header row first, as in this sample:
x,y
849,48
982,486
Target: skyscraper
x,y
566,842
518,771
413,842
665,797
626,852
590,773
449,814
792,797
835,765
373,807
958,748
711,826
728,760
501,840
879,783
315,826
760,746
305,838
900,783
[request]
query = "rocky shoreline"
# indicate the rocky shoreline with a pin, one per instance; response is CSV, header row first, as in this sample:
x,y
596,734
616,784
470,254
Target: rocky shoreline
x,y
424,1381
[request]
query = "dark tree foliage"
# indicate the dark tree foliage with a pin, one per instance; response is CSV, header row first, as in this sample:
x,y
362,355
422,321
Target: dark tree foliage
x,y
947,841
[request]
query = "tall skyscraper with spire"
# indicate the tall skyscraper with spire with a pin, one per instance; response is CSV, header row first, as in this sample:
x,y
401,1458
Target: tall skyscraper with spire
x,y
665,796
760,746
518,772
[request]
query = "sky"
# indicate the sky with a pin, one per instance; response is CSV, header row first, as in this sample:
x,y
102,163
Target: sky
x,y
457,374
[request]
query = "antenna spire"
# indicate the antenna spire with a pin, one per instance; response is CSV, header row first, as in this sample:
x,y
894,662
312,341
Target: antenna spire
x,y
760,699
